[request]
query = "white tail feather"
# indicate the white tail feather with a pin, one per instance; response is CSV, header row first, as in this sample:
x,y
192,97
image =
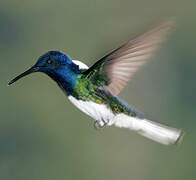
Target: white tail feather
x,y
150,129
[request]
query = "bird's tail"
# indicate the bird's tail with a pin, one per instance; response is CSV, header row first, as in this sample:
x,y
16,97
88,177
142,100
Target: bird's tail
x,y
150,129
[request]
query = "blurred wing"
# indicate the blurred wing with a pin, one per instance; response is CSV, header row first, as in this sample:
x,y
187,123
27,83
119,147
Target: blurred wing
x,y
115,69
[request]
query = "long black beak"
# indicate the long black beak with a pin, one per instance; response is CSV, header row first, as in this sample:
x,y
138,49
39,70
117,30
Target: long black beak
x,y
29,71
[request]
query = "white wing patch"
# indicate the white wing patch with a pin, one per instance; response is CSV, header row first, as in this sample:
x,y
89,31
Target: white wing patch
x,y
80,64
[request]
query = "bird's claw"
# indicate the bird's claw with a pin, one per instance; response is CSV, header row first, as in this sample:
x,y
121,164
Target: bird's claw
x,y
99,124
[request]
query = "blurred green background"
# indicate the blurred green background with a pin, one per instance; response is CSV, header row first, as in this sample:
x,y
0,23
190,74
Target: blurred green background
x,y
44,137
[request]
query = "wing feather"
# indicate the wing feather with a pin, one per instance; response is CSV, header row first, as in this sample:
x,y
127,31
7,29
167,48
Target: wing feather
x,y
122,63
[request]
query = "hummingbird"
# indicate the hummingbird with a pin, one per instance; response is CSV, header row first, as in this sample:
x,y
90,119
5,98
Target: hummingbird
x,y
94,90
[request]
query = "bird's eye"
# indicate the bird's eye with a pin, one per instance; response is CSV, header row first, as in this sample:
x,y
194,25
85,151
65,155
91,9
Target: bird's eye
x,y
49,61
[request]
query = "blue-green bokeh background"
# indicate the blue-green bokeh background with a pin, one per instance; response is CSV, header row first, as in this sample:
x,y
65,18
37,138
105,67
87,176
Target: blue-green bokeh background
x,y
43,137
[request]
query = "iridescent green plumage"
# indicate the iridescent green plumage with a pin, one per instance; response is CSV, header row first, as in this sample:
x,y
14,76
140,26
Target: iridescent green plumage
x,y
89,91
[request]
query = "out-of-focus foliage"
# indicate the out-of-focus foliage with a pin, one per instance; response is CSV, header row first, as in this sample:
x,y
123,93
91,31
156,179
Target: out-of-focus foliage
x,y
44,137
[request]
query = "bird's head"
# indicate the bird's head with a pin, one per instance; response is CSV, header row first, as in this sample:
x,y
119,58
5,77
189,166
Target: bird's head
x,y
52,63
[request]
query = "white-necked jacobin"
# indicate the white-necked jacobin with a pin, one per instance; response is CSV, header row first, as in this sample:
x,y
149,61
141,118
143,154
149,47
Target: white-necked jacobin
x,y
94,90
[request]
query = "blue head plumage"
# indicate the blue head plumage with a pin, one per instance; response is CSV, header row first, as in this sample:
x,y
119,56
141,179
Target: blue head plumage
x,y
58,66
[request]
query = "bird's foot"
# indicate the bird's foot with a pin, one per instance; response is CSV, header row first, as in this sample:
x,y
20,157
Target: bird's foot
x,y
99,124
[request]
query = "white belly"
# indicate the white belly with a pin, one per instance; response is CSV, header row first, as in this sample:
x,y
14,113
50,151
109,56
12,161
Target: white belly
x,y
98,112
